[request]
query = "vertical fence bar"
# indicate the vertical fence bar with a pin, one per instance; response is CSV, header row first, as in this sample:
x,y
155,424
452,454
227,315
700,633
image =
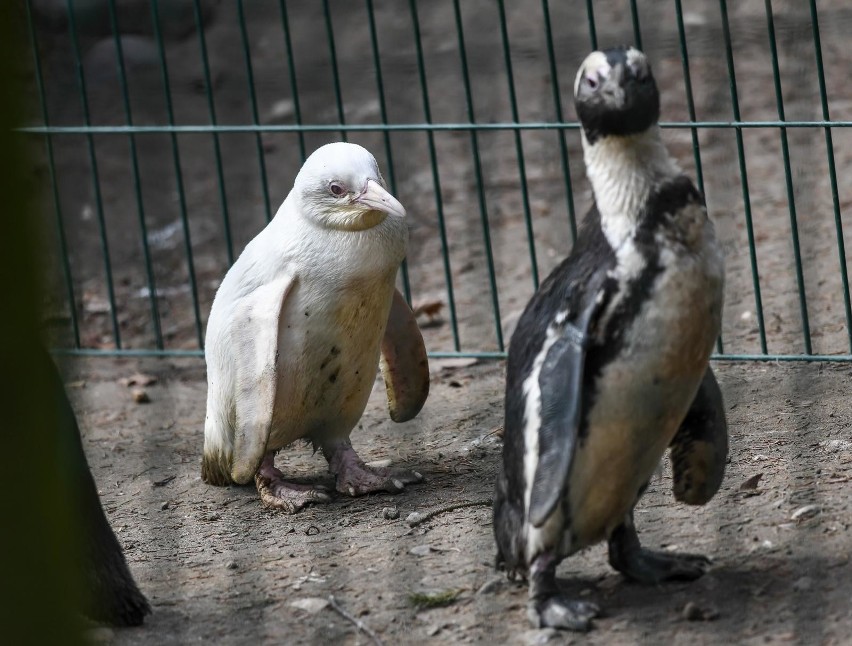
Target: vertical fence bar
x,y
187,240
735,105
291,67
217,150
832,171
335,74
557,104
436,179
254,113
637,32
99,205
788,177
593,34
48,140
374,40
137,181
480,181
519,144
690,106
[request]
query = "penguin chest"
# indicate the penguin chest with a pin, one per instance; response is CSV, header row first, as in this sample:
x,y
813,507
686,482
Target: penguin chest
x,y
328,353
639,396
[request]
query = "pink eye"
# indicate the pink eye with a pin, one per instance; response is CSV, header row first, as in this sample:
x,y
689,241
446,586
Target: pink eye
x,y
336,189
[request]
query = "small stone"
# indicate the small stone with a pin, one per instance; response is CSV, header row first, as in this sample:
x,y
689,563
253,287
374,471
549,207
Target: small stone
x,y
420,550
691,612
414,518
140,396
390,513
803,584
231,565
310,604
212,517
804,513
164,505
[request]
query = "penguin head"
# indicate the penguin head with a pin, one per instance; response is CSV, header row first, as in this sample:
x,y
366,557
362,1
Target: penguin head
x,y
340,187
615,93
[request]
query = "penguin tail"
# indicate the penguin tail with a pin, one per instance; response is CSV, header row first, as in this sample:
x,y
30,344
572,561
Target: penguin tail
x,y
508,528
216,469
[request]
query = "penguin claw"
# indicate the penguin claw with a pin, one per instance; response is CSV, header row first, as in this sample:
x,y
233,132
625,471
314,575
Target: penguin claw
x,y
557,612
287,496
356,478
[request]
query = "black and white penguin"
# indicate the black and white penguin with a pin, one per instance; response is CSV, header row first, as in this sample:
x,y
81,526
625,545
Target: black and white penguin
x,y
608,365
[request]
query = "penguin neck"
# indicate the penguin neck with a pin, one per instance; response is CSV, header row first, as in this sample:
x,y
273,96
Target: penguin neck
x,y
624,171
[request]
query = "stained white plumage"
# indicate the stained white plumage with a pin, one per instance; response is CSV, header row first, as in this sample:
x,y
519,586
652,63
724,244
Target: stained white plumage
x,y
297,327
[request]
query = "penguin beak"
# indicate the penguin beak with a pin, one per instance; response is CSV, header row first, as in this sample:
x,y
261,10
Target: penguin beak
x,y
377,198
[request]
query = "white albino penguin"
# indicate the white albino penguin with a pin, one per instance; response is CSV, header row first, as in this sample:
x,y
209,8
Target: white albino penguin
x,y
297,329
609,363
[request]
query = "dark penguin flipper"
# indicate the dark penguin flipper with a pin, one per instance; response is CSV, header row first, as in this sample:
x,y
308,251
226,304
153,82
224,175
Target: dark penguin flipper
x,y
561,385
628,556
111,593
699,450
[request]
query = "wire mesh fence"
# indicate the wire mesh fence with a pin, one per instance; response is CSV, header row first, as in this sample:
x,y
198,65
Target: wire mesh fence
x,y
168,132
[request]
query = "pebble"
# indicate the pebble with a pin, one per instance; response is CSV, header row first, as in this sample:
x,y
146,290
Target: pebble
x,y
414,518
806,512
803,584
420,550
692,612
231,565
310,604
140,396
390,513
164,505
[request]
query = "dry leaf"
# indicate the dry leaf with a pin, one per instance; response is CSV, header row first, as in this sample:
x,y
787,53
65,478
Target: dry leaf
x,y
751,483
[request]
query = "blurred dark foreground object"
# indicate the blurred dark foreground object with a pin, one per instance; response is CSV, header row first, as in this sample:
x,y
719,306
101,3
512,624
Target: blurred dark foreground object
x,y
58,556
110,594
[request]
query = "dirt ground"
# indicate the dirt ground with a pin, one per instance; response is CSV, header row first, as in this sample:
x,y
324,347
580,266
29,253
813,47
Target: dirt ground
x,y
219,568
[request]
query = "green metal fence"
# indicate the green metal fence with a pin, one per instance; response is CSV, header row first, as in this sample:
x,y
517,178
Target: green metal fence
x,y
170,130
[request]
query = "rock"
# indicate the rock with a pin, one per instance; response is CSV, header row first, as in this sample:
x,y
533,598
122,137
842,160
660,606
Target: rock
x,y
390,513
414,518
420,550
140,396
804,513
164,505
803,584
231,565
692,612
310,604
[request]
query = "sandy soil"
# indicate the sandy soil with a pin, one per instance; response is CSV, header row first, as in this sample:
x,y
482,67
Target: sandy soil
x,y
219,568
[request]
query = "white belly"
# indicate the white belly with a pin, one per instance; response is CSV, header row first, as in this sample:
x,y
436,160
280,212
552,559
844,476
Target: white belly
x,y
328,354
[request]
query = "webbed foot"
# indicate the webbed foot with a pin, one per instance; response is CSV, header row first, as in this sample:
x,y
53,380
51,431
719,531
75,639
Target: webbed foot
x,y
646,566
289,497
356,478
548,608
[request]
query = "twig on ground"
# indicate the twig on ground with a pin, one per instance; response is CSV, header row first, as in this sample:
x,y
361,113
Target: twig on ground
x,y
422,518
360,625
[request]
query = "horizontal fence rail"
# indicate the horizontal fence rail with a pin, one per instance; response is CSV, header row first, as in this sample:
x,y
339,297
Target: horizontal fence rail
x,y
170,130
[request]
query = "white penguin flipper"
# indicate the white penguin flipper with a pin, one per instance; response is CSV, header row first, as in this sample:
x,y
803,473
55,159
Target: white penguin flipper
x,y
405,367
254,337
561,387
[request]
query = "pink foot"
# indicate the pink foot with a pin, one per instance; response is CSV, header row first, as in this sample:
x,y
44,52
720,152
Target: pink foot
x,y
356,478
277,493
